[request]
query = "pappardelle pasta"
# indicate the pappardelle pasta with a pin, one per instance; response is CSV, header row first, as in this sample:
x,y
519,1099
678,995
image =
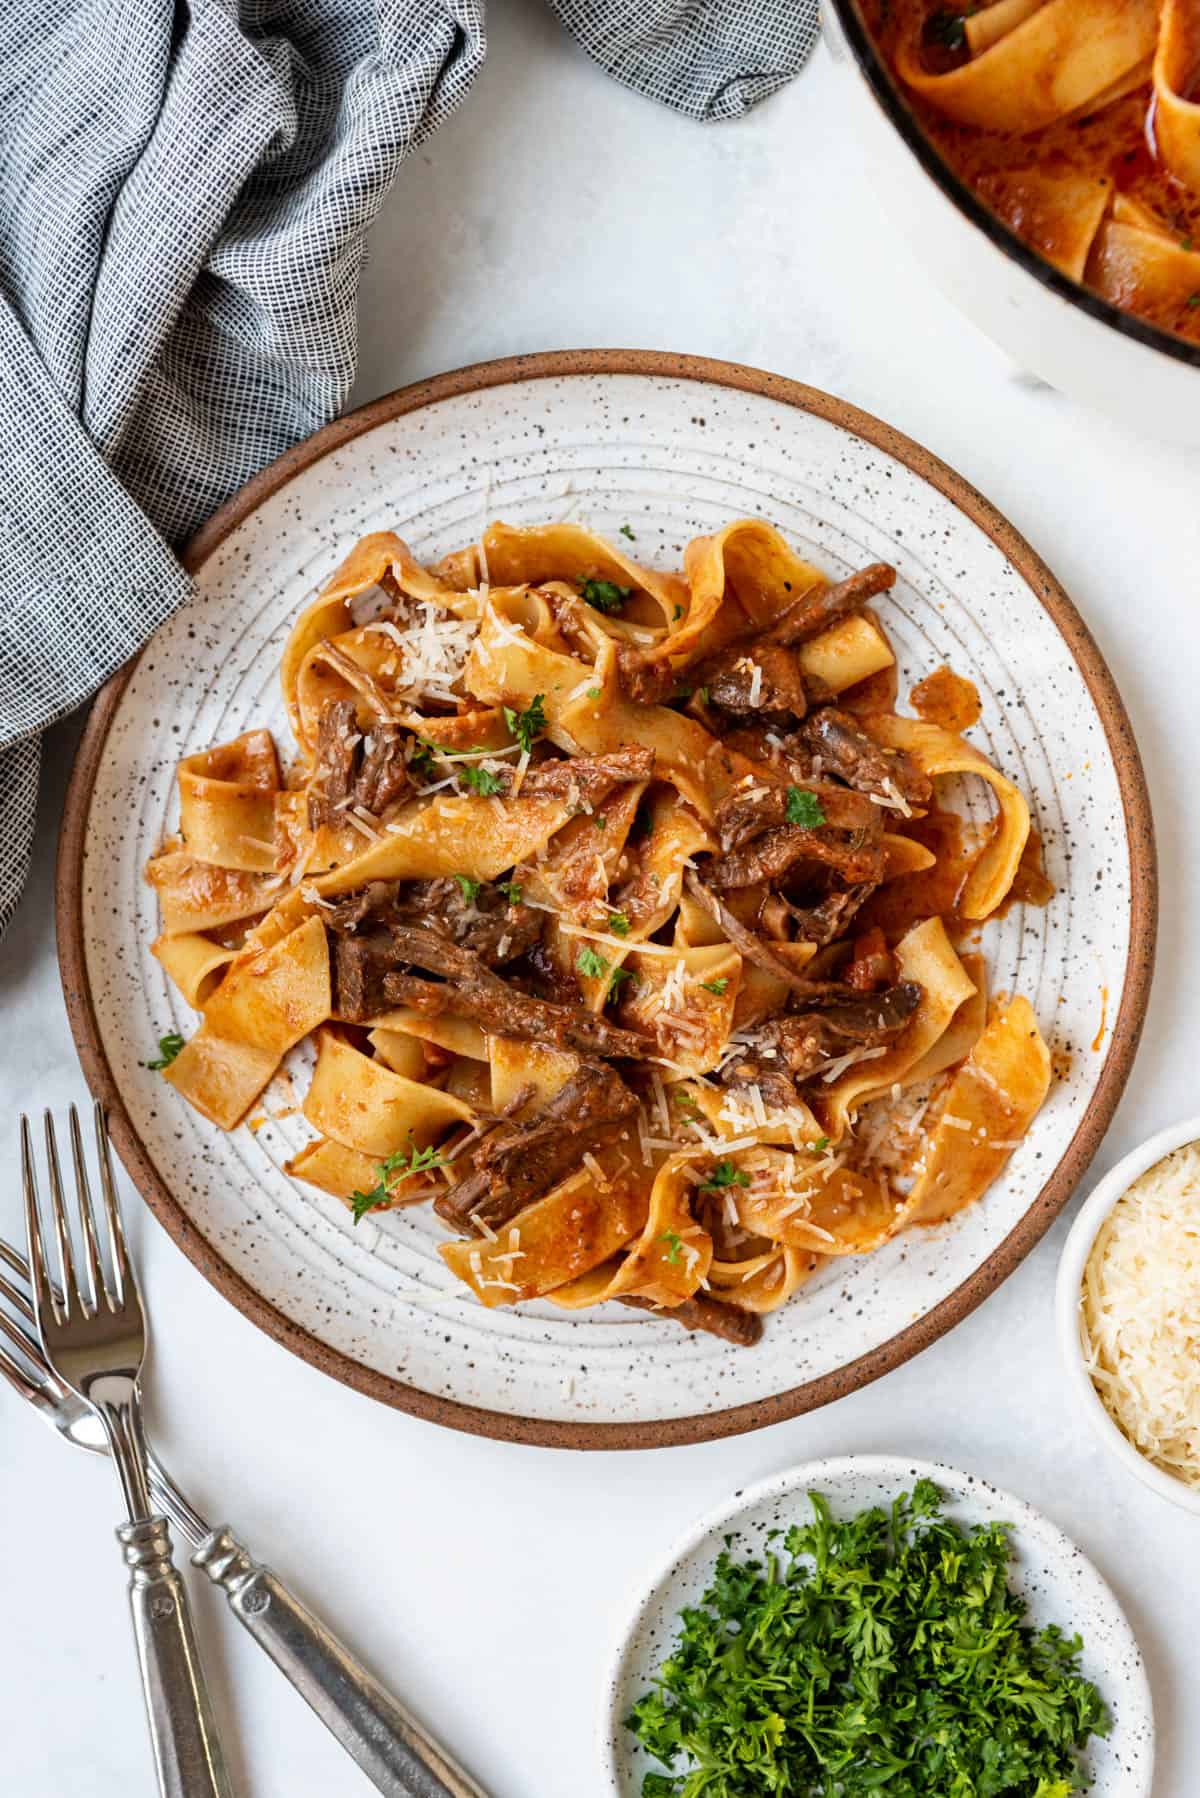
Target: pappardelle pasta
x,y
1078,122
622,914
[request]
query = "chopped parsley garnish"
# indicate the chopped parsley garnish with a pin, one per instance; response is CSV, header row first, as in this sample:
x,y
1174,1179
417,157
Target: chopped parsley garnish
x,y
803,808
618,923
1193,299
482,780
882,1654
616,977
421,759
682,692
626,532
512,891
1185,243
722,1175
702,695
591,965
593,692
819,1146
716,986
168,1048
470,888
392,1169
677,613
600,820
686,1107
674,1242
527,725
606,596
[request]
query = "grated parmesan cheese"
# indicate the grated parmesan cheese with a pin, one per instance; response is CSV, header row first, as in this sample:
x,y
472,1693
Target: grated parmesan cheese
x,y
1140,1314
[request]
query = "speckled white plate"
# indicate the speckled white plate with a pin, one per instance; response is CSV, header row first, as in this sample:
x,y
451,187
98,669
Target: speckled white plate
x,y
670,446
1057,1581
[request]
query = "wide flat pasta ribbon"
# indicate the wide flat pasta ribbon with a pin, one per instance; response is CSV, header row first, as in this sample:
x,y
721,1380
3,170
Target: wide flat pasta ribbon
x,y
992,1101
576,1226
925,955
940,752
1035,61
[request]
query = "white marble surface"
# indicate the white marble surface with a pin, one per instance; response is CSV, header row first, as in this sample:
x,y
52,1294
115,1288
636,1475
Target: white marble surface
x,y
485,1582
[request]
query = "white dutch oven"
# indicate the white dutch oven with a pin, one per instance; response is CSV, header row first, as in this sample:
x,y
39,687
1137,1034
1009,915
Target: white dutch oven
x,y
1051,326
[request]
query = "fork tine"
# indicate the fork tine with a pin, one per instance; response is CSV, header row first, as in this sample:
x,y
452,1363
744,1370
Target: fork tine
x,y
71,1294
11,1371
21,1340
39,1279
87,1220
18,1299
122,1272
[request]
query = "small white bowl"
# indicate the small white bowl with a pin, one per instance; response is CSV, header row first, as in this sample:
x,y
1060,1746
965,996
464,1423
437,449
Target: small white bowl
x,y
1075,1255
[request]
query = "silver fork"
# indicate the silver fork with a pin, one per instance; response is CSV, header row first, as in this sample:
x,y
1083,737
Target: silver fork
x,y
94,1341
391,1746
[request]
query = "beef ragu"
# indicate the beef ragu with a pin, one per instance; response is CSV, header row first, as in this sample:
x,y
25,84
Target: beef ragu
x,y
1078,122
622,915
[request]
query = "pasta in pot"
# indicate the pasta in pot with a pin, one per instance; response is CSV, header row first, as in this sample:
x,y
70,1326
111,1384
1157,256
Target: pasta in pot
x,y
1078,122
622,918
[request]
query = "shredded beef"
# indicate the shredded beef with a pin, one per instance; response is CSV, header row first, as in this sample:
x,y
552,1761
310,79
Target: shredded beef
x,y
761,680
847,751
704,1312
749,810
471,990
816,612
518,1162
773,854
353,770
803,1040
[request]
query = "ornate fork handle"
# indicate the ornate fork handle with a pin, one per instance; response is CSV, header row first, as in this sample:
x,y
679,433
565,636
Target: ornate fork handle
x,y
393,1749
187,1756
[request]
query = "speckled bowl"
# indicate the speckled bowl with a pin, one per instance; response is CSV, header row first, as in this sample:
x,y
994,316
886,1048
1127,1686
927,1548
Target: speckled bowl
x,y
670,446
1056,1579
1076,1250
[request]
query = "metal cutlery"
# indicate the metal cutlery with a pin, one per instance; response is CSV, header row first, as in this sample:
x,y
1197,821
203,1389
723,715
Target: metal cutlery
x,y
93,1336
393,1749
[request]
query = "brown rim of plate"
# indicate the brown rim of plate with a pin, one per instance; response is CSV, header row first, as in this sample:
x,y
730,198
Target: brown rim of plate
x,y
1126,1030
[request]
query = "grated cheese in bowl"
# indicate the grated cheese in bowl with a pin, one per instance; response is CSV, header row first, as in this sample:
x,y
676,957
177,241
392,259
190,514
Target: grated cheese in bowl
x,y
1139,1314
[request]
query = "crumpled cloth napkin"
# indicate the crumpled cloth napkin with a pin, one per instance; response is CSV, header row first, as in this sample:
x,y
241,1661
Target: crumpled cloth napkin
x,y
185,193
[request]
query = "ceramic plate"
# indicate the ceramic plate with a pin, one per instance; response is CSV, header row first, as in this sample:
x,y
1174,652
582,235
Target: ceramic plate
x,y
671,447
1056,1580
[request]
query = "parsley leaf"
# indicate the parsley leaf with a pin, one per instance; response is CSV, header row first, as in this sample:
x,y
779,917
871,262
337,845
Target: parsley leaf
x,y
618,923
591,965
421,759
606,596
512,891
724,1174
715,986
392,1169
674,1242
470,888
600,820
820,1145
626,532
168,1048
616,977
878,1653
482,780
803,808
677,613
593,692
1193,300
527,725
